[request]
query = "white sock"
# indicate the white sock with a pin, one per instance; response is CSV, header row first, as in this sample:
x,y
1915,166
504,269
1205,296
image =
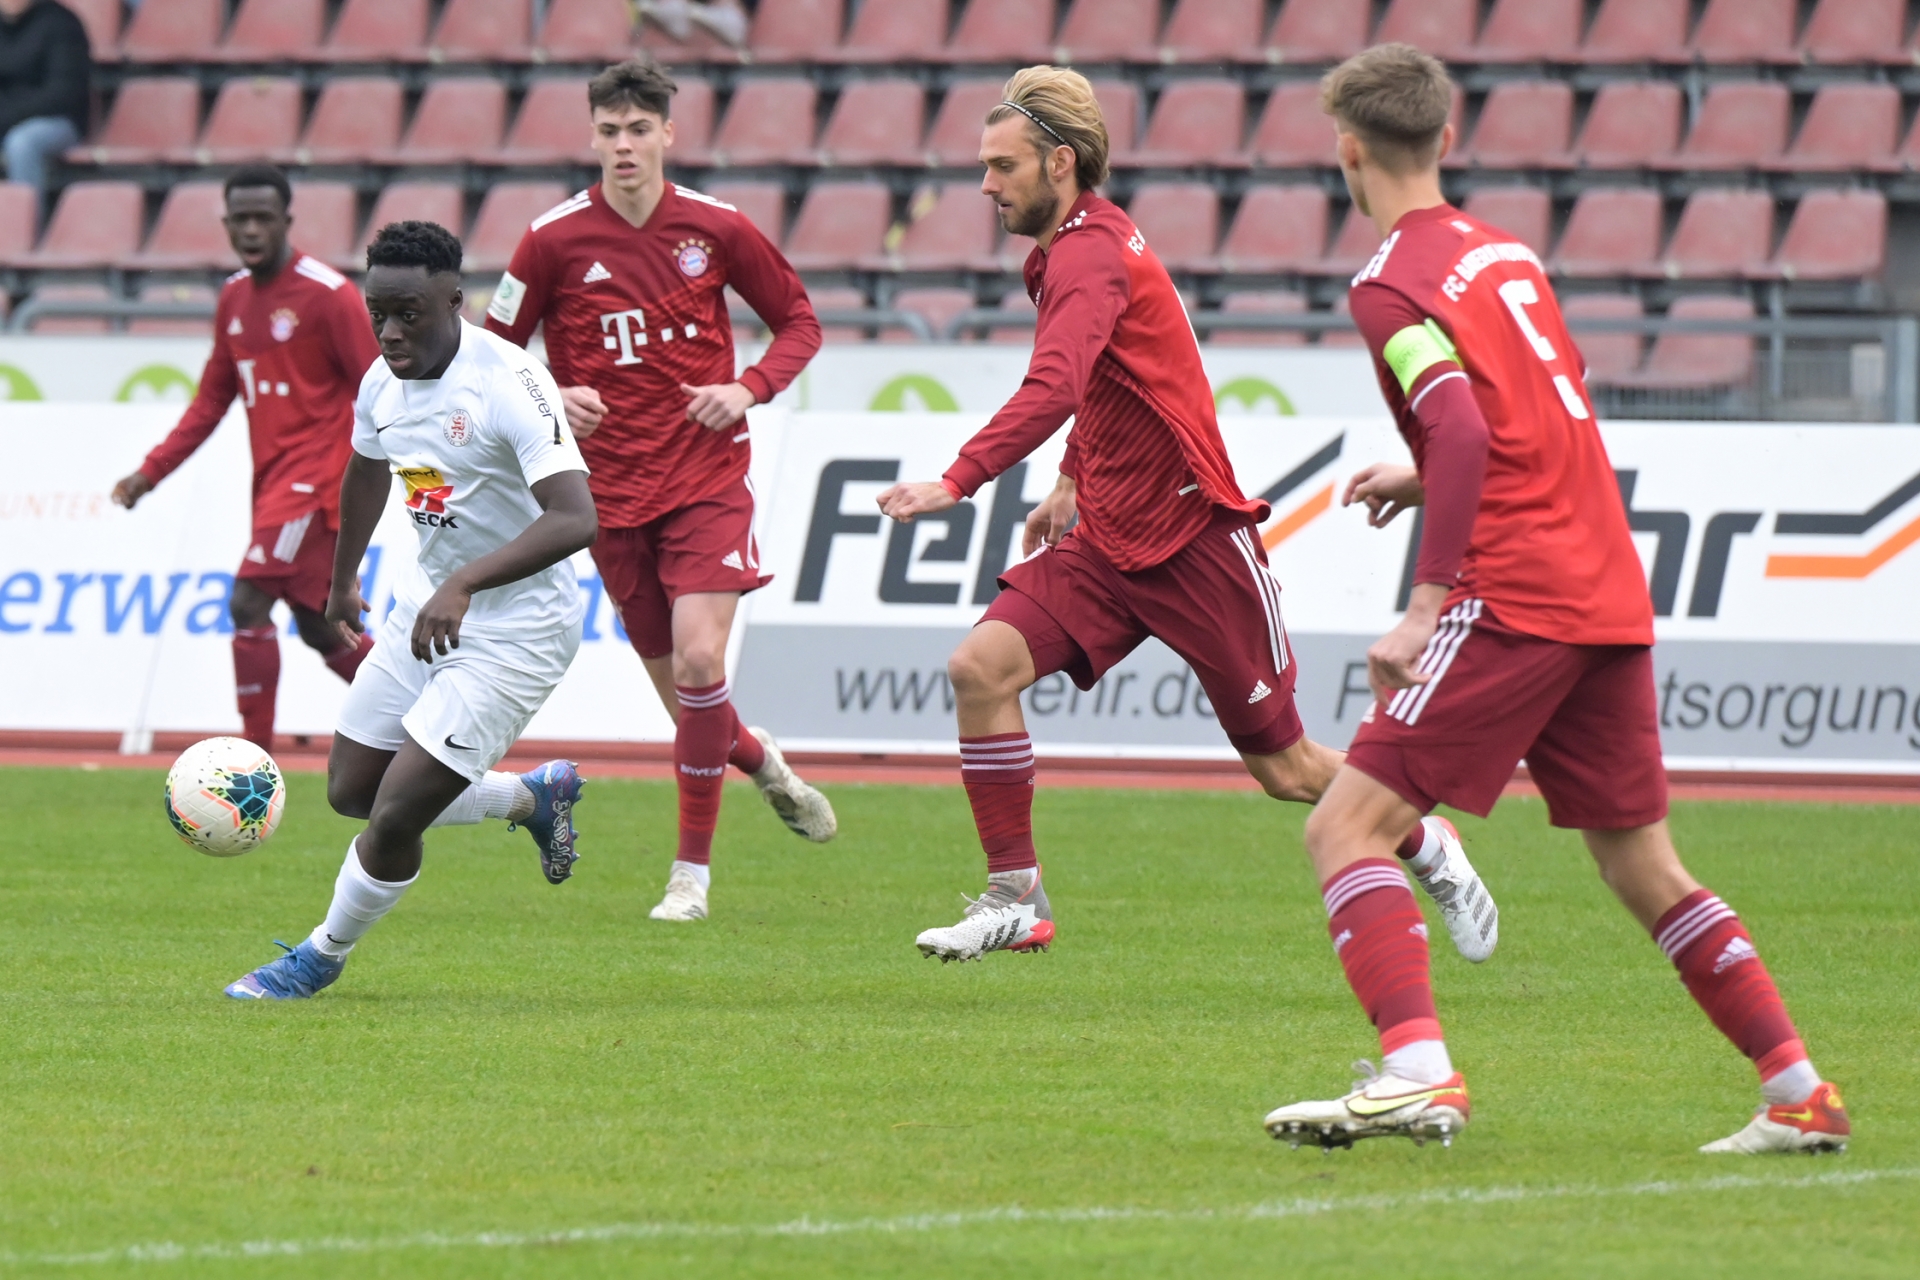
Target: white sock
x,y
1423,1062
494,796
1795,1084
1429,856
699,870
358,903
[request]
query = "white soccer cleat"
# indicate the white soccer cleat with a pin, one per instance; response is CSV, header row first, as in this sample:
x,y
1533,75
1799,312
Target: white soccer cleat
x,y
1012,915
1473,921
800,806
1380,1106
686,898
1817,1125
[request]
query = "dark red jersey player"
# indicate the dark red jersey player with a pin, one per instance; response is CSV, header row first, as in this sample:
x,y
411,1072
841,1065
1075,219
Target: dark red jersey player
x,y
1529,635
291,340
1166,545
628,279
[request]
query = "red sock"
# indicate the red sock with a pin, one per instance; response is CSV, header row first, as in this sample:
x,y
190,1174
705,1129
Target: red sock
x,y
1416,840
345,662
998,773
1726,977
1381,940
256,680
748,756
701,741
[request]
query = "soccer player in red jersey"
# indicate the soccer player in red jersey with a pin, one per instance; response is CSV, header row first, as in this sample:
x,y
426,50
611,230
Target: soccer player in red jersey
x,y
629,279
1529,635
291,339
1166,544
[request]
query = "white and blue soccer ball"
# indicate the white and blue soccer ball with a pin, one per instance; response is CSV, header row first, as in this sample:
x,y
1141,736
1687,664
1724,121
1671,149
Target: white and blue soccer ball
x,y
225,796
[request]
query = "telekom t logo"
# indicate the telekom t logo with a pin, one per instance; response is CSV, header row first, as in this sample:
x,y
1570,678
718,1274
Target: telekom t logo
x,y
625,330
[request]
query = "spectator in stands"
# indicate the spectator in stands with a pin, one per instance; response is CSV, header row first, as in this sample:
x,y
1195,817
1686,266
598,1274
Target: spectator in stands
x,y
46,69
724,18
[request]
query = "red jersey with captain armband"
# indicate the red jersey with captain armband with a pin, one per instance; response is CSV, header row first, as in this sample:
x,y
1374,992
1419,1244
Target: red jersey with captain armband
x,y
294,350
1449,298
1115,351
635,313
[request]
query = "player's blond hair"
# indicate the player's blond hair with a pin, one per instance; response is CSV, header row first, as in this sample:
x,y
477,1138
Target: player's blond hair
x,y
1060,110
1396,98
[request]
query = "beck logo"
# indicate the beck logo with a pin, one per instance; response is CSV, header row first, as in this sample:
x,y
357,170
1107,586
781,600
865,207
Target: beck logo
x,y
282,324
459,428
427,494
693,257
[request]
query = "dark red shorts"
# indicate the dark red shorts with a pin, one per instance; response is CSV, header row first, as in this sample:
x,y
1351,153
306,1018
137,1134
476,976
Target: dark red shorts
x,y
704,546
1581,716
292,561
1213,602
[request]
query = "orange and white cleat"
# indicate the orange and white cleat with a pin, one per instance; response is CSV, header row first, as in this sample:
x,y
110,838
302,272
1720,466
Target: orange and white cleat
x,y
1380,1106
1012,915
1819,1124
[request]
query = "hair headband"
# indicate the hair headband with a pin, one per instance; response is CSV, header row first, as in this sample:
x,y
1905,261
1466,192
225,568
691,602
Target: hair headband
x,y
1051,131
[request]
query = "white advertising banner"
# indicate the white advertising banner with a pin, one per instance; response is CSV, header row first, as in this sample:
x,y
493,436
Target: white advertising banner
x,y
1779,557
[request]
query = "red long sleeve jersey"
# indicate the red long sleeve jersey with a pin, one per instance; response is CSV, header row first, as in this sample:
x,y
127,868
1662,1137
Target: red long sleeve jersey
x,y
634,313
1115,351
294,350
1550,550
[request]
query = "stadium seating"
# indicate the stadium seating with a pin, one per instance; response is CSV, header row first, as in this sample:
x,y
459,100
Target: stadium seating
x,y
172,31
1444,28
937,306
796,30
503,219
356,118
1721,234
1746,31
188,236
1855,31
1319,30
553,126
1630,31
101,18
95,224
1018,31
252,119
483,31
1261,302
459,118
1697,360
377,31
273,30
1631,123
763,203
74,326
1525,124
1120,105
1196,122
897,31
1213,31
1277,230
875,122
1741,124
424,201
768,122
324,223
584,31
1293,132
693,109
1531,31
150,117
173,327
1607,355
954,138
1525,213
1110,31
1848,126
949,228
1014,302
1611,232
1834,235
19,216
839,225
1352,248
839,298
1181,223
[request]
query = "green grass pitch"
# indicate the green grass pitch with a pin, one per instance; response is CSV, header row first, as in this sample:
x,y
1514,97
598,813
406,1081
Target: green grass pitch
x,y
789,1089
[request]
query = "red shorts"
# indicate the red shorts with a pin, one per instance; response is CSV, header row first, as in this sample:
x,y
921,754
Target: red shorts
x,y
1213,602
1582,716
292,561
703,546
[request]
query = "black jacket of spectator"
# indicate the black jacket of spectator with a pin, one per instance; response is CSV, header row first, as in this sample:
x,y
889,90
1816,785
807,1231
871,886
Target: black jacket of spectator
x,y
46,66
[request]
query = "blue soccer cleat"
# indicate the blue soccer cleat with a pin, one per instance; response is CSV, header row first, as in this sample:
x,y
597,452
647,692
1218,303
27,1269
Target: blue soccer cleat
x,y
556,787
294,976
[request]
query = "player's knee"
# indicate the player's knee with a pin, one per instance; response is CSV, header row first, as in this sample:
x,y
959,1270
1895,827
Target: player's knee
x,y
975,671
348,798
698,666
1284,783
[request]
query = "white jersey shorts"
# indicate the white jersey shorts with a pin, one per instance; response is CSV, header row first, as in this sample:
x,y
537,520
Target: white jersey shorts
x,y
466,708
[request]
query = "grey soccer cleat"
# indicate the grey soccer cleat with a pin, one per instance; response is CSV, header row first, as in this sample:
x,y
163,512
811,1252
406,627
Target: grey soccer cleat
x,y
802,807
1012,915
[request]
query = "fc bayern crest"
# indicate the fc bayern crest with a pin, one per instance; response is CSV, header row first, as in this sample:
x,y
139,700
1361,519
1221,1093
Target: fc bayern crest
x,y
693,260
281,324
459,428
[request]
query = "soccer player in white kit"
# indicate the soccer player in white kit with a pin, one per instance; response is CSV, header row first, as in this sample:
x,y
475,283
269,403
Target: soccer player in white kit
x,y
486,626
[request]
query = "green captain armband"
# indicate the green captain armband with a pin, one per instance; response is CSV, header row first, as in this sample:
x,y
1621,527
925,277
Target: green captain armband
x,y
1416,349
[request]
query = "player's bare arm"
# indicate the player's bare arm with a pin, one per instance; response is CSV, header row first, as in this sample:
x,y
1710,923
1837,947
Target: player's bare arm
x,y
1387,489
1050,521
363,495
905,501
585,410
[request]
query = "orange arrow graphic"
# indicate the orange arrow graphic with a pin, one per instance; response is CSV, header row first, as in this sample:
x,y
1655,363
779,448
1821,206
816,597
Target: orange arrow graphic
x,y
1297,519
1841,566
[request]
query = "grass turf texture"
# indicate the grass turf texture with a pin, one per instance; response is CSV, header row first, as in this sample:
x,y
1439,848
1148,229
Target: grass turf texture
x,y
506,1057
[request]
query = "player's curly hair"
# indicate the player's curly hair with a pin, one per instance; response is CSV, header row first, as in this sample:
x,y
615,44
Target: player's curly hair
x,y
1061,111
1396,98
416,244
637,82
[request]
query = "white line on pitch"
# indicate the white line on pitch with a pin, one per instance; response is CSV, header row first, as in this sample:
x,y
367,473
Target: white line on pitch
x,y
925,1222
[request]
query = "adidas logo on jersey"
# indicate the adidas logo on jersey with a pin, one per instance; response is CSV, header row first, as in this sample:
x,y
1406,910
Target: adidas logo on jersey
x,y
1260,691
595,274
732,560
1737,950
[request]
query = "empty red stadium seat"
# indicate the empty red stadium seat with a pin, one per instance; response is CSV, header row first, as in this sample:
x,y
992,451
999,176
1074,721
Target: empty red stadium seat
x,y
955,136
1834,235
173,31
149,118
692,122
876,122
273,30
1842,31
1014,252
254,118
1293,132
700,46
763,203
188,235
457,119
324,222
503,219
483,31
1746,31
73,326
1285,302
1014,302
1631,123
585,30
1739,126
1195,122
1120,107
174,327
1525,124
1608,355
355,119
796,30
839,298
377,31
1346,337
1531,31
949,228
1611,232
1213,31
1697,360
101,18
1277,229
439,202
839,224
1638,31
1110,31
95,224
554,126
1003,31
937,306
1525,213
1352,248
1181,223
897,31
19,216
1720,233
1443,28
1849,126
1319,30
768,122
